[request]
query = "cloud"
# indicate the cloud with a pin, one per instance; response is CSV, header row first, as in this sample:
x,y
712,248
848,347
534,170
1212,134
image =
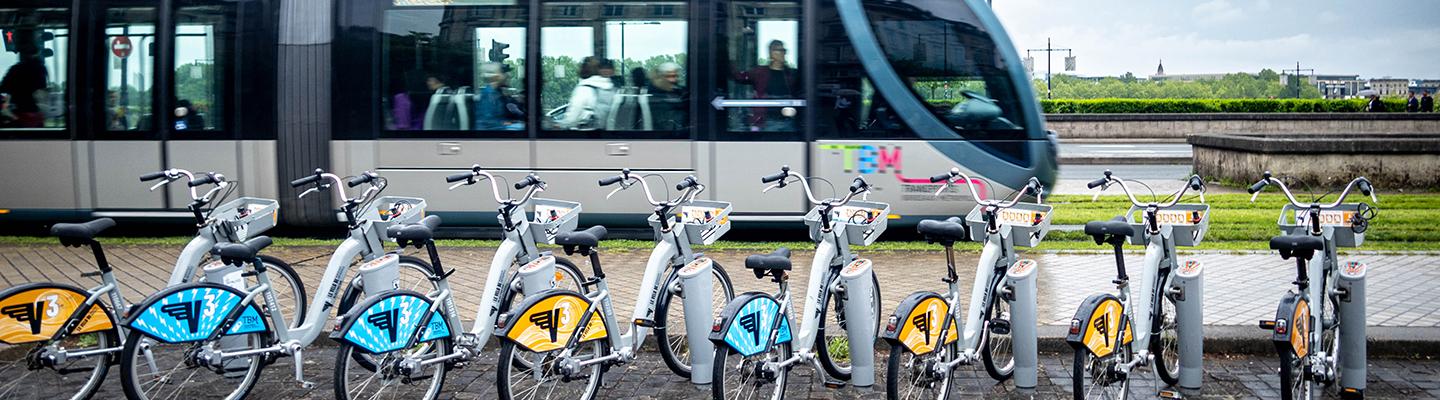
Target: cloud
x,y
1218,12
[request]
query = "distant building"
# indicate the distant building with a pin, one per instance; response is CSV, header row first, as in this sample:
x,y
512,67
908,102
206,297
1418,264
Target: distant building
x,y
1160,75
1390,87
1338,86
1422,86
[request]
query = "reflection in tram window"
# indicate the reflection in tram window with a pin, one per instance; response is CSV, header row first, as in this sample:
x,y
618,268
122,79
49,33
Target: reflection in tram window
x,y
203,38
32,89
615,66
454,68
764,48
130,68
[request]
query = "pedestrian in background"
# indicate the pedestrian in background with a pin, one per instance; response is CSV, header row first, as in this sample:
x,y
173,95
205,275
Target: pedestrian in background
x,y
1427,103
1413,104
1375,104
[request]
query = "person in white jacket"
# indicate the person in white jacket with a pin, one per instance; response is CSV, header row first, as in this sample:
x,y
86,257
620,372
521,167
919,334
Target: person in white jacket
x,y
593,99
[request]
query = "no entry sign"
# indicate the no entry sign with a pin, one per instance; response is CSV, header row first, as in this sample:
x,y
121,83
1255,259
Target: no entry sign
x,y
121,47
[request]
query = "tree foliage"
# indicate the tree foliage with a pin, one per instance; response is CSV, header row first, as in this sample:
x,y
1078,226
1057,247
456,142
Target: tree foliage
x,y
1266,84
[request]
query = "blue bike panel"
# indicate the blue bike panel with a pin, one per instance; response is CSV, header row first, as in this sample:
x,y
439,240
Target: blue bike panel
x,y
249,321
191,314
436,329
751,327
386,325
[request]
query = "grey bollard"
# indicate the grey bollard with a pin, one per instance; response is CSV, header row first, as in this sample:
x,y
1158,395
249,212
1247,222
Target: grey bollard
x,y
695,280
1351,311
860,321
1188,291
1023,323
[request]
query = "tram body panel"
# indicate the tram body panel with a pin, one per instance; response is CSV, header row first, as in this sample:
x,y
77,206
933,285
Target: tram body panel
x,y
32,166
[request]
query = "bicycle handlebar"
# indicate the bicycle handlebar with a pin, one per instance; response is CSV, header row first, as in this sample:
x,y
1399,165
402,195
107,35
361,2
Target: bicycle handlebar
x,y
691,188
857,187
174,174
1195,183
531,181
1031,187
1361,183
320,175
363,178
152,176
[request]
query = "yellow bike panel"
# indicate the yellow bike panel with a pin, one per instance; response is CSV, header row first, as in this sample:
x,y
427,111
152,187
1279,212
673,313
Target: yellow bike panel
x,y
1300,329
36,314
920,331
549,324
1100,332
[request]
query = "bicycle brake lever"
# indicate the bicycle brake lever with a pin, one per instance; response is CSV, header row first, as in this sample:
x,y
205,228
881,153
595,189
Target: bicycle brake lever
x,y
613,192
767,190
1373,198
452,187
1202,196
1254,196
162,183
308,192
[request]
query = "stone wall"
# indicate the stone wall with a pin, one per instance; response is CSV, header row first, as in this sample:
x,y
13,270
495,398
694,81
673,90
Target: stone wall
x,y
1391,162
1081,128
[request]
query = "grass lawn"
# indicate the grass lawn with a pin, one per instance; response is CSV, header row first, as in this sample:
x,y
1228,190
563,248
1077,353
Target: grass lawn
x,y
1405,222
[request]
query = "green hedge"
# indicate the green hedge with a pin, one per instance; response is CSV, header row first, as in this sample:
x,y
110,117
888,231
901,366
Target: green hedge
x,y
1185,106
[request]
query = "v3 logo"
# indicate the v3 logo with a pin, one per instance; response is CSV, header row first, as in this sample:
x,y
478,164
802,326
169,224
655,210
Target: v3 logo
x,y
1102,327
548,320
751,323
922,322
26,313
184,312
385,320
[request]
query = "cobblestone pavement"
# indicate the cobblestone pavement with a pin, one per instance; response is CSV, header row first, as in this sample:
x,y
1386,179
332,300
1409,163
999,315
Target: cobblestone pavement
x,y
1242,377
1239,288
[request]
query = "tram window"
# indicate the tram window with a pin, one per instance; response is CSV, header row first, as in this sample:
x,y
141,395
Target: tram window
x,y
130,75
34,62
615,66
202,40
454,68
763,63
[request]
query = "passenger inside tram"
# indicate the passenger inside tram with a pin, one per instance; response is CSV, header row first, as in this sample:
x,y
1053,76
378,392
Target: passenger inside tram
x,y
775,79
26,84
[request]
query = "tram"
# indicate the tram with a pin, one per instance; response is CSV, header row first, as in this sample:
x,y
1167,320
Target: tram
x,y
98,92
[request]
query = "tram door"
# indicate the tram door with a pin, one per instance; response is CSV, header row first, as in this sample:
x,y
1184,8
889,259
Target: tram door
x,y
758,101
126,142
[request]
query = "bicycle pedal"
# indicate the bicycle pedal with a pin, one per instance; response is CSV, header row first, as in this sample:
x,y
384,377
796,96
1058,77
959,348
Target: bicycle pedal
x,y
834,384
645,323
1000,327
1170,394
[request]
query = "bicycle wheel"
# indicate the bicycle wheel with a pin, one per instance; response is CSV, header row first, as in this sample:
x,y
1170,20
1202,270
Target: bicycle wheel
x,y
670,321
547,379
912,376
739,377
999,352
76,378
390,381
151,369
285,283
1166,344
414,275
1100,377
834,351
1294,382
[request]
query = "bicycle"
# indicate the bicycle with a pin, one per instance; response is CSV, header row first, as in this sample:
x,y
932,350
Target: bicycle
x,y
66,341
924,346
755,328
1335,352
1164,327
404,356
220,336
569,337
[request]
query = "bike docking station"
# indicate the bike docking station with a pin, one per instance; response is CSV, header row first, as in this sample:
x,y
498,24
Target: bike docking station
x,y
708,221
1180,225
860,224
1020,224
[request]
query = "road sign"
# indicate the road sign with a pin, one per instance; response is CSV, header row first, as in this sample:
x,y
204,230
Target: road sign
x,y
121,46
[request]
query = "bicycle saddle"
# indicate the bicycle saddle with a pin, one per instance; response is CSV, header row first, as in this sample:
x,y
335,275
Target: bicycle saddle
x,y
586,238
417,233
950,230
241,253
776,260
1115,226
1302,246
78,234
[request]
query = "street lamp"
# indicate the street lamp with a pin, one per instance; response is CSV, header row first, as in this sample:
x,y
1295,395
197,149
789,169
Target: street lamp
x,y
1069,63
1298,70
622,37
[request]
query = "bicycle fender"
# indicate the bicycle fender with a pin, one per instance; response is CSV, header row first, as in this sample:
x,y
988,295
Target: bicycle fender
x,y
548,320
916,323
1095,323
1293,324
34,312
387,322
194,312
746,323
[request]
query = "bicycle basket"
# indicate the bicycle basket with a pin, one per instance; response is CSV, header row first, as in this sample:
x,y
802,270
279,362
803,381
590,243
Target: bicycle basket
x,y
705,221
1188,222
552,217
388,211
1028,222
1292,222
863,221
247,217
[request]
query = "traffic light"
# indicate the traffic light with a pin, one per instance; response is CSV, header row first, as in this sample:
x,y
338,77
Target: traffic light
x,y
497,51
9,36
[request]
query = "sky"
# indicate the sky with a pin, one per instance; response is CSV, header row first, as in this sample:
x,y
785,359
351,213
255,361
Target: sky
x,y
1370,38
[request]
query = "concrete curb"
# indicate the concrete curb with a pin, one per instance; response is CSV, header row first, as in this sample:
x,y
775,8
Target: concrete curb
x,y
1384,341
1125,160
